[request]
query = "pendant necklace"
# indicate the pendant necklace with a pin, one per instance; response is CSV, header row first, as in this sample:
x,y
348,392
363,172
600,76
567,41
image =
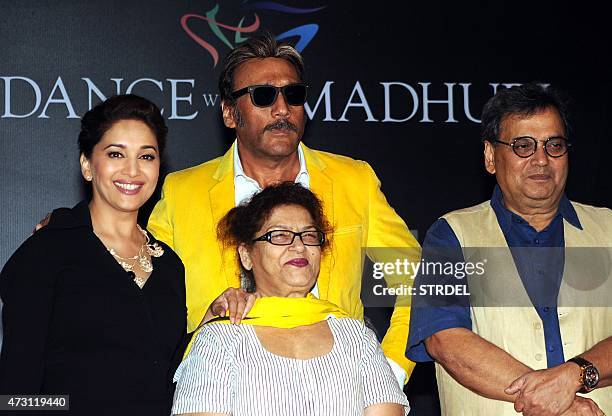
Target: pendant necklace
x,y
143,258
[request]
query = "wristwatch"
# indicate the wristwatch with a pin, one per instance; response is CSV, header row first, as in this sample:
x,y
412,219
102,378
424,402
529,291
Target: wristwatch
x,y
589,375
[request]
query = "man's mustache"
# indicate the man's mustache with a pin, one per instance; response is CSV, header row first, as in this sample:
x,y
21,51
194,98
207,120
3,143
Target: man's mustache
x,y
281,124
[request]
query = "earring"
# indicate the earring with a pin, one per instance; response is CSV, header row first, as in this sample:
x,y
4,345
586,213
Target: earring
x,y
88,177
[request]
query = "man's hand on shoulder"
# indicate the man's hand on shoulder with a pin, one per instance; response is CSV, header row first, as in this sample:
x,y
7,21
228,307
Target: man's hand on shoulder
x,y
234,302
42,223
547,392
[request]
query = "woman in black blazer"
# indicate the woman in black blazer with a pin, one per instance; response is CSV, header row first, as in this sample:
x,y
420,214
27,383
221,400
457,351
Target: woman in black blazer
x,y
94,306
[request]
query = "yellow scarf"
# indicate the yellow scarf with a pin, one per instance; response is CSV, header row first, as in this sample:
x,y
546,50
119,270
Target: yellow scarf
x,y
283,313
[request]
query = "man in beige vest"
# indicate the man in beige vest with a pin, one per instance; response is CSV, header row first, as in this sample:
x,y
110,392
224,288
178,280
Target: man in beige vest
x,y
533,332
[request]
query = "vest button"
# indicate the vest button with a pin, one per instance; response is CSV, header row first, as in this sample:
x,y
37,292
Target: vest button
x,y
537,326
538,357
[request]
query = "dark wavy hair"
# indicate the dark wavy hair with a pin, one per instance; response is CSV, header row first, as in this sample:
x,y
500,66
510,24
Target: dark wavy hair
x,y
240,225
103,116
261,46
524,100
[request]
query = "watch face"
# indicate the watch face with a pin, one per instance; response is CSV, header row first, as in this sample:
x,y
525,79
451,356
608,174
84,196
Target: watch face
x,y
591,377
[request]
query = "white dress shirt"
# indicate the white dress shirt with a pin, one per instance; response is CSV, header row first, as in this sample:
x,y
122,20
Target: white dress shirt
x,y
245,187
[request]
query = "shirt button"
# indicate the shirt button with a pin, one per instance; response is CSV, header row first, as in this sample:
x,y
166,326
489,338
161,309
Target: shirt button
x,y
551,348
546,308
538,357
536,241
537,326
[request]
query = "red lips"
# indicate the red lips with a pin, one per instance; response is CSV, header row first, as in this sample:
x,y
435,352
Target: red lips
x,y
301,262
128,187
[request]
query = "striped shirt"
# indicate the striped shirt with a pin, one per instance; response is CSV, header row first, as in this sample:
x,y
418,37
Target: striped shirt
x,y
229,371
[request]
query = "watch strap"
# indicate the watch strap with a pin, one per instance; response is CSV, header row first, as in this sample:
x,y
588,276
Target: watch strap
x,y
583,364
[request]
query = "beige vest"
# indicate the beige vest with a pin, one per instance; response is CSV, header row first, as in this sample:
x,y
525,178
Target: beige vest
x,y
518,329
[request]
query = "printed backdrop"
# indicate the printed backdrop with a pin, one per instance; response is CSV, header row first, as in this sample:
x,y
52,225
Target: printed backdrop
x,y
399,84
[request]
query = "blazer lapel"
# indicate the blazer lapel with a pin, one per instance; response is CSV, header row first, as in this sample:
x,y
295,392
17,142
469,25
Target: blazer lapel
x,y
322,186
221,201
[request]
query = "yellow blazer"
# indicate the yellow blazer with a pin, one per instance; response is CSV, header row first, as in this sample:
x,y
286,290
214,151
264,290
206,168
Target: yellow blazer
x,y
195,199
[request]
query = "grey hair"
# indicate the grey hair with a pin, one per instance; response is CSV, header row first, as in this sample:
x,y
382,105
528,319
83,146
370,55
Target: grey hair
x,y
257,47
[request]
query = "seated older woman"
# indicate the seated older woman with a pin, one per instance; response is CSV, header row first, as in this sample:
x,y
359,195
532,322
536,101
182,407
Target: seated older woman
x,y
293,354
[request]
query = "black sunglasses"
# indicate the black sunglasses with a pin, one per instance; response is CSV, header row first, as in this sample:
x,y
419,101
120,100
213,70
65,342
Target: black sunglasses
x,y
265,95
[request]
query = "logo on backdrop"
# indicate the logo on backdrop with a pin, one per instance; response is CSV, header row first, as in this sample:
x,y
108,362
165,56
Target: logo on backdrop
x,y
185,99
346,100
304,33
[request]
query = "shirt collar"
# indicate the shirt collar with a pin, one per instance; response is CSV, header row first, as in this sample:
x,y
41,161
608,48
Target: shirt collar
x,y
565,210
302,176
75,217
245,187
78,216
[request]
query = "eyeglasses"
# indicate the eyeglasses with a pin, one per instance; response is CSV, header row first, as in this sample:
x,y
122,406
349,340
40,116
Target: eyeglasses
x,y
265,95
286,237
526,146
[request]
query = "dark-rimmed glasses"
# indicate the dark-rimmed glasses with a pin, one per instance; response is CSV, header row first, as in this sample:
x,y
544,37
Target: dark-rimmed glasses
x,y
525,146
286,237
265,95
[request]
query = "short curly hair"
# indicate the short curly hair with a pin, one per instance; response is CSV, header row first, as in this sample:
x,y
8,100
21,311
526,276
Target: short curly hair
x,y
240,225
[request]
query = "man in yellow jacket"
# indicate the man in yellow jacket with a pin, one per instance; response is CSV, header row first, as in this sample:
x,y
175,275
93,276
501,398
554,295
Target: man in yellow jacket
x,y
263,99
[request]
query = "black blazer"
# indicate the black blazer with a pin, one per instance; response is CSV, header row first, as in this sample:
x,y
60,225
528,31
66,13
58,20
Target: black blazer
x,y
75,322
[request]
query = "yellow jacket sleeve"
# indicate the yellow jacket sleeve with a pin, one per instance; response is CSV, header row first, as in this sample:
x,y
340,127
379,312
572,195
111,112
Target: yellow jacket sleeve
x,y
389,237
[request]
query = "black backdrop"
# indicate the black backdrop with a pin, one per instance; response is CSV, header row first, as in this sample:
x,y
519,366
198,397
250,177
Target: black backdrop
x,y
372,67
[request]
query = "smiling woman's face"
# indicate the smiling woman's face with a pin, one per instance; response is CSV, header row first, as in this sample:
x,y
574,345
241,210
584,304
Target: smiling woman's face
x,y
123,166
286,271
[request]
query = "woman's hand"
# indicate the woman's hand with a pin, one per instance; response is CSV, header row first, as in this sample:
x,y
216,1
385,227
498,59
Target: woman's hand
x,y
234,302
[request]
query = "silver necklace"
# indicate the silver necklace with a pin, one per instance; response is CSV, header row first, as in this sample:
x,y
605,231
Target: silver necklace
x,y
143,258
